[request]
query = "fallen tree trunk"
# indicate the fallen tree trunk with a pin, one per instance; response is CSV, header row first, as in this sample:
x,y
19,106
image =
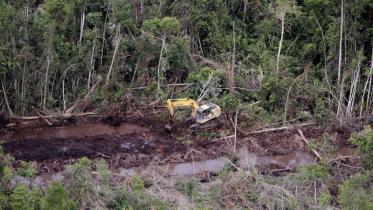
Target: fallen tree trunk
x,y
280,128
86,97
65,115
307,142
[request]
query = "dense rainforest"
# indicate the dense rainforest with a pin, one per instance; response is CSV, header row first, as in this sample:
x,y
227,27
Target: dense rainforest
x,y
298,64
306,56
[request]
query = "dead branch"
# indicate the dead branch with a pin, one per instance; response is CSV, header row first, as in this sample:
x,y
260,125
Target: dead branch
x,y
281,170
281,128
42,117
86,97
339,158
234,165
65,115
307,142
223,138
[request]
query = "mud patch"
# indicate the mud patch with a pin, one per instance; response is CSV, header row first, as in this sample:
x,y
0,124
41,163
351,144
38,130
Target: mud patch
x,y
91,147
72,131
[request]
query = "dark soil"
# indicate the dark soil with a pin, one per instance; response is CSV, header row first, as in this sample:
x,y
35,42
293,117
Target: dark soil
x,y
91,147
3,120
113,120
141,141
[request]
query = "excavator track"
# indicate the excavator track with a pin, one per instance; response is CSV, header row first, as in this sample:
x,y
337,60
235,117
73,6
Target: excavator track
x,y
214,124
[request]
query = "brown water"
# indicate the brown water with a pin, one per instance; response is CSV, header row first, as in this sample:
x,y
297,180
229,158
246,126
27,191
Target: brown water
x,y
73,131
248,160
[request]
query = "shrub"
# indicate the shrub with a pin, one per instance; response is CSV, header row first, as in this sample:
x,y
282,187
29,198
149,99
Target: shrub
x,y
103,172
364,142
273,92
6,178
22,198
324,199
127,199
189,187
198,79
321,113
229,103
26,169
196,194
80,182
354,193
3,201
57,198
137,184
312,173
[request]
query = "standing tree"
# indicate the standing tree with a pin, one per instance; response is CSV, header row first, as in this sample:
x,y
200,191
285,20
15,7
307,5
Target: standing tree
x,y
166,29
283,7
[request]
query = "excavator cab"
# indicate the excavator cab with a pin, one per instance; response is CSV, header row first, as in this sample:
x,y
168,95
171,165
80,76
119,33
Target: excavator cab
x,y
207,112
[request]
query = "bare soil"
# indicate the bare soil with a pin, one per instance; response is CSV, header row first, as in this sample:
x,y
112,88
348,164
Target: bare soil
x,y
132,142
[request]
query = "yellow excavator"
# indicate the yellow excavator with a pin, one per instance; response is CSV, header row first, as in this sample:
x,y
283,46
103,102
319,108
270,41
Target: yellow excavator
x,y
200,114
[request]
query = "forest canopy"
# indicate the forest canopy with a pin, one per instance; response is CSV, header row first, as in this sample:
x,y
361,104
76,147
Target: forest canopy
x,y
307,56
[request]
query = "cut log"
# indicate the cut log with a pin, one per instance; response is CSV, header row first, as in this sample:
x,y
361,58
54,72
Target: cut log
x,y
55,116
45,120
307,142
279,128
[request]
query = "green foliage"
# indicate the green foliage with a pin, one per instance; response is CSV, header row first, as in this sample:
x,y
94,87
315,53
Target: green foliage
x,y
204,80
190,188
137,184
324,199
364,142
22,199
152,25
177,56
321,113
6,175
26,169
229,103
273,92
193,190
324,145
57,198
3,201
354,193
170,25
127,199
80,183
312,173
104,172
317,172
116,92
165,26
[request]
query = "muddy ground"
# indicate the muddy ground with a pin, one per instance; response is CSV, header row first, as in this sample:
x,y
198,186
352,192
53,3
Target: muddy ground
x,y
140,141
